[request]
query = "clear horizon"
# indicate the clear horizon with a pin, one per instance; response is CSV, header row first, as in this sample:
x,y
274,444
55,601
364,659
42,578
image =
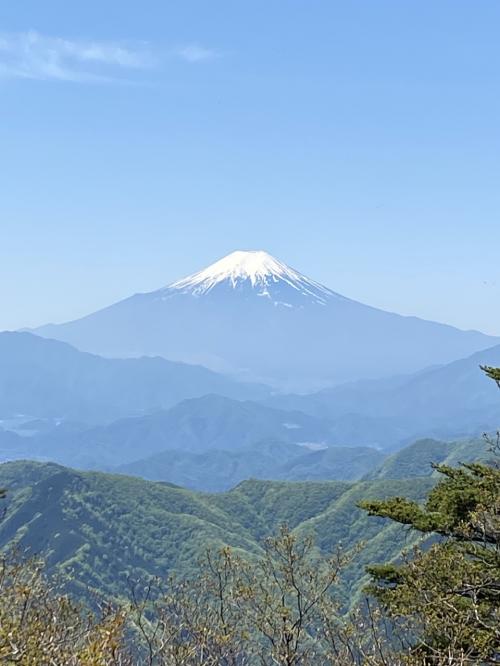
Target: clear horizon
x,y
357,143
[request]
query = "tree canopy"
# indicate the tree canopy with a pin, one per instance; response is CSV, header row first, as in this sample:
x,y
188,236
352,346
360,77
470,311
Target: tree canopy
x,y
444,596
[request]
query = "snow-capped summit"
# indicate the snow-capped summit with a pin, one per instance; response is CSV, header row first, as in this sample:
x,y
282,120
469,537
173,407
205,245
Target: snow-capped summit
x,y
253,316
266,275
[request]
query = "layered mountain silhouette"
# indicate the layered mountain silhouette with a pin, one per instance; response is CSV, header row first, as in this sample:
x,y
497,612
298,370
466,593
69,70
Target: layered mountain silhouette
x,y
451,401
218,469
195,425
87,411
253,316
47,379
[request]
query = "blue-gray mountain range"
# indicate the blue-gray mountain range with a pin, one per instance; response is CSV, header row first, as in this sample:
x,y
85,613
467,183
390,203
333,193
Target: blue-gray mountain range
x,y
154,418
253,316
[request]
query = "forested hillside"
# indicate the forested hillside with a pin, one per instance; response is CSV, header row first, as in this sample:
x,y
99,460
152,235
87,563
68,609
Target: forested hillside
x,y
98,530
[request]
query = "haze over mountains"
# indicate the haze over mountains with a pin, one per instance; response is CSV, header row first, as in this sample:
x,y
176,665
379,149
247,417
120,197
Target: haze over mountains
x,y
253,316
133,466
250,343
451,401
195,426
48,379
172,421
191,426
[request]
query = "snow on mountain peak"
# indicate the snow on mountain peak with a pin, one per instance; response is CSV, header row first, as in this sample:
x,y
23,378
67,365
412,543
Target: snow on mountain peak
x,y
257,267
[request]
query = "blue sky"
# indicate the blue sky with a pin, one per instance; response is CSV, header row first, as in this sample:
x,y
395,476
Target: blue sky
x,y
357,141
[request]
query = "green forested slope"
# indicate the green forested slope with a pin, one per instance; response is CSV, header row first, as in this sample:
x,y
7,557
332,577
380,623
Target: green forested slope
x,y
219,469
416,460
100,529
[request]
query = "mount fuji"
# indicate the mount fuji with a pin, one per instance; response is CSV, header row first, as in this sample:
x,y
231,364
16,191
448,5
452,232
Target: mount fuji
x,y
253,316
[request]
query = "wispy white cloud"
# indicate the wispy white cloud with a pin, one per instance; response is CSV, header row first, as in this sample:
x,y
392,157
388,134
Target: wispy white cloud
x,y
31,55
195,53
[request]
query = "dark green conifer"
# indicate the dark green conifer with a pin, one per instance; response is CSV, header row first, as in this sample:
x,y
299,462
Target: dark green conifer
x,y
444,597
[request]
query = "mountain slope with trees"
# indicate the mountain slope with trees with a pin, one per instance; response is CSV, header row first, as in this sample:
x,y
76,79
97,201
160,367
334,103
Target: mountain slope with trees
x,y
99,530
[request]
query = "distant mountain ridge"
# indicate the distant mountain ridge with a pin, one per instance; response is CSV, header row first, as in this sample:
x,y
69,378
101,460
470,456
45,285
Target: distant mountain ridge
x,y
195,425
447,402
90,412
218,470
253,316
44,378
